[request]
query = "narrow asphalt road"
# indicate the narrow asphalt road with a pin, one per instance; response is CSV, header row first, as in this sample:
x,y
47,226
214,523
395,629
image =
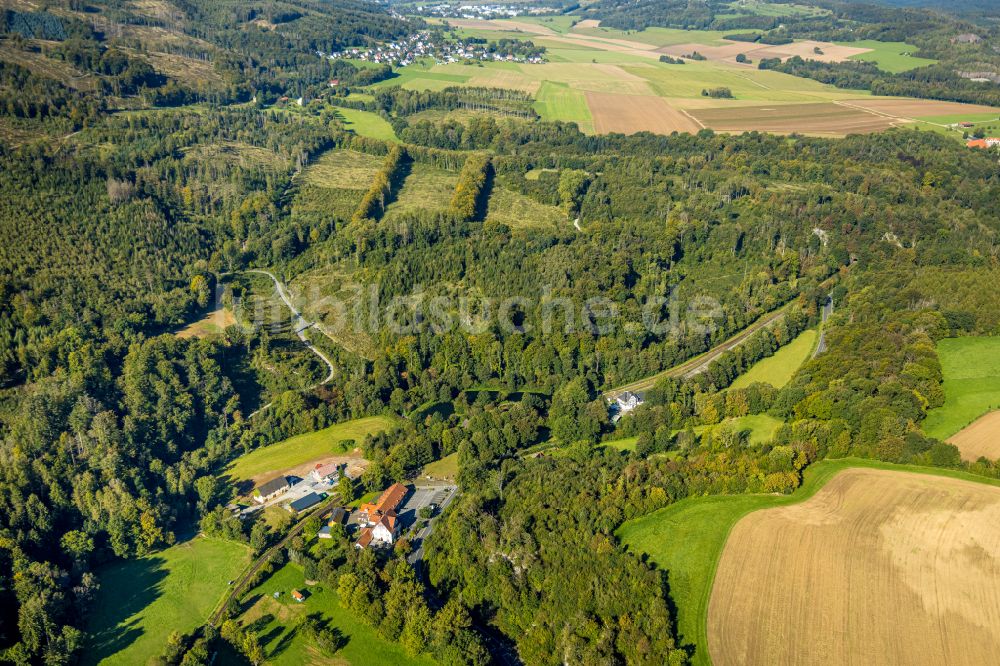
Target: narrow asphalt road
x,y
299,322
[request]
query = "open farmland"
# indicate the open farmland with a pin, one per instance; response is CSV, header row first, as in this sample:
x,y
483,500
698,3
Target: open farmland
x,y
590,66
687,538
971,370
821,118
981,438
629,114
877,567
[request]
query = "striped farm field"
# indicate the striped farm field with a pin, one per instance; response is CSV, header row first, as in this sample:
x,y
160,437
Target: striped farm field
x,y
629,114
981,438
877,567
821,118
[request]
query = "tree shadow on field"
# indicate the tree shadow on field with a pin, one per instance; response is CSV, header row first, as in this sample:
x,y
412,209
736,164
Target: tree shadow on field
x,y
126,590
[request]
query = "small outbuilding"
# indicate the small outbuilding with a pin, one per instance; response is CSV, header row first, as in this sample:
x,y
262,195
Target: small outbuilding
x,y
306,502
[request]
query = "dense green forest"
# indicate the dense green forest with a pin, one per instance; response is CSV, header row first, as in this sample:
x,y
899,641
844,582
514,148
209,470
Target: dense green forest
x,y
120,224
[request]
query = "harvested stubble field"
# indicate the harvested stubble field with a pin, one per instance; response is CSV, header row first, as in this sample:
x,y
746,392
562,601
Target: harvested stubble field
x,y
981,438
629,114
877,567
822,118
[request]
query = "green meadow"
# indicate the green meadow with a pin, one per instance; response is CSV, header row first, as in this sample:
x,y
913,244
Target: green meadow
x,y
367,124
302,449
276,622
889,56
779,368
971,370
557,101
686,539
141,601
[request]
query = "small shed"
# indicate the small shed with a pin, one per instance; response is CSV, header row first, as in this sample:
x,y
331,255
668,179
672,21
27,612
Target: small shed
x,y
298,596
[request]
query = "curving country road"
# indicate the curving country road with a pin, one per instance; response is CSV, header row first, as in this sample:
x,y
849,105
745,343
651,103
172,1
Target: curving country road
x,y
299,322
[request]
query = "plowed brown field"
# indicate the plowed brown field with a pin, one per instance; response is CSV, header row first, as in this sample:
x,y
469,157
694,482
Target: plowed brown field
x,y
824,118
629,114
878,567
979,438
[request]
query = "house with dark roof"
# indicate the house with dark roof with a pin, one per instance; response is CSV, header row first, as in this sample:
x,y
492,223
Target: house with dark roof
x,y
271,489
307,502
337,517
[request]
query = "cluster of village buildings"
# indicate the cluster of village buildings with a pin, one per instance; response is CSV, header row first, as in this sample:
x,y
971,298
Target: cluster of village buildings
x,y
423,44
467,11
377,523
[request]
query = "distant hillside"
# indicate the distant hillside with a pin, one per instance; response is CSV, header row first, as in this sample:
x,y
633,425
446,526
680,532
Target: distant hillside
x,y
179,51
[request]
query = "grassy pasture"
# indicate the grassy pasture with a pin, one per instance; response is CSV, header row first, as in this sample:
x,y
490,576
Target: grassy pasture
x,y
518,211
557,101
302,449
276,623
779,368
367,124
686,539
426,187
446,468
971,369
142,600
889,56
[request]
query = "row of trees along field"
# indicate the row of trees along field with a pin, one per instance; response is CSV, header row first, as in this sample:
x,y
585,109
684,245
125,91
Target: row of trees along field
x,y
113,435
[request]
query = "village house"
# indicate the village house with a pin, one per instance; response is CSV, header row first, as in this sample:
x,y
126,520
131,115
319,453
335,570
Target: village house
x,y
271,489
380,518
623,404
988,142
337,517
326,473
298,596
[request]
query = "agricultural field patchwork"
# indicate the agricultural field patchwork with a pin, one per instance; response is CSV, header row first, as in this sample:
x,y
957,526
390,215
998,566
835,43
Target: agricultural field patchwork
x,y
612,81
687,539
878,566
971,369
